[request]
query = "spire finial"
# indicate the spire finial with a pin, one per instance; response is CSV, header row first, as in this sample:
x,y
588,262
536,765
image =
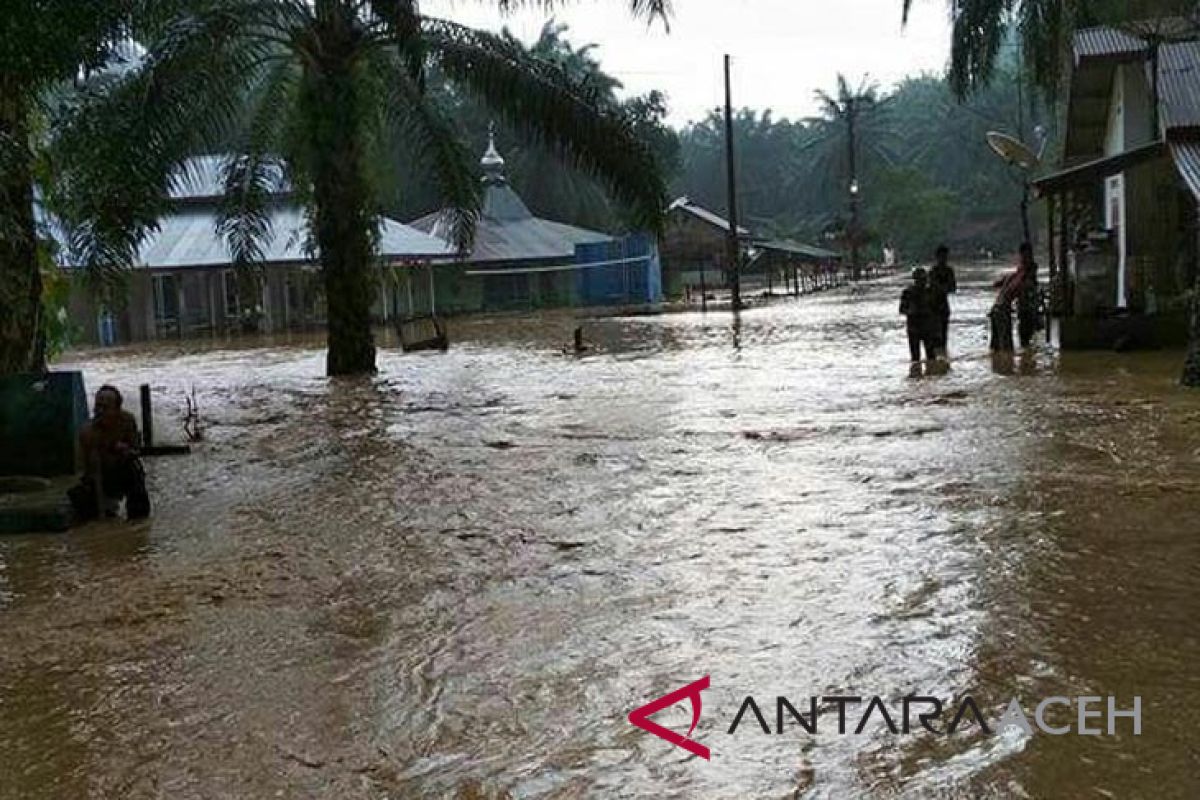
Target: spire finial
x,y
492,162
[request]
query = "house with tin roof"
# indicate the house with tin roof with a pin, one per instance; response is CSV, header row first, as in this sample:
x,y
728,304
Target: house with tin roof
x,y
1123,203
183,281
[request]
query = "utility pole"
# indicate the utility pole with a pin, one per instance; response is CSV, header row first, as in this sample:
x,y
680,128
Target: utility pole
x,y
852,143
734,245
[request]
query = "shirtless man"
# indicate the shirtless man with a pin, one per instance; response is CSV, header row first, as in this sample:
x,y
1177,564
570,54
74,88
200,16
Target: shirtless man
x,y
112,470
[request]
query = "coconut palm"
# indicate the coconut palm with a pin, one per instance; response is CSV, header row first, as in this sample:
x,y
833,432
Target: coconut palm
x,y
41,47
315,88
853,124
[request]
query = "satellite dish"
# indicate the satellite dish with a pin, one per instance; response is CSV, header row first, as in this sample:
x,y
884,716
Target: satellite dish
x,y
1013,150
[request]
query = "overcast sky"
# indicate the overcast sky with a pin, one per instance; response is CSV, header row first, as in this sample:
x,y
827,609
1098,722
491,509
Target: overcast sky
x,y
782,49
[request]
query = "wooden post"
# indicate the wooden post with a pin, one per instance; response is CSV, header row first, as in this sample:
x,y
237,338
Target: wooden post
x,y
147,417
1064,255
1053,265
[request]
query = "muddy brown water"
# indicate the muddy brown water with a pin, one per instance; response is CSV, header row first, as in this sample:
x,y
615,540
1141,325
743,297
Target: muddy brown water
x,y
456,579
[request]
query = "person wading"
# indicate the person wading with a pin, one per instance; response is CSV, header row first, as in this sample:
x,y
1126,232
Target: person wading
x,y
943,283
916,304
1020,287
112,470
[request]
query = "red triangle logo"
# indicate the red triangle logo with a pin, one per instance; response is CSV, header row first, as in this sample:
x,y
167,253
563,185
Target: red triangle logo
x,y
641,717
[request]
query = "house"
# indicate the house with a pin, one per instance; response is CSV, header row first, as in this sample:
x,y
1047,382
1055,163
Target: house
x,y
183,282
521,261
1122,207
695,248
795,267
695,255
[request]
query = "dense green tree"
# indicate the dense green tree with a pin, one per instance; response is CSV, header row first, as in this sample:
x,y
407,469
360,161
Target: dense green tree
x,y
794,176
42,46
773,191
316,88
911,212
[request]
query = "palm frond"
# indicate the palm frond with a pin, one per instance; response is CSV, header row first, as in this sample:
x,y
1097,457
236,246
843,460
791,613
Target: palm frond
x,y
571,119
244,220
181,99
438,152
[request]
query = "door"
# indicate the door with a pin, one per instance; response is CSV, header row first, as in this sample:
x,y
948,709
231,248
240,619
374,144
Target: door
x,y
1116,223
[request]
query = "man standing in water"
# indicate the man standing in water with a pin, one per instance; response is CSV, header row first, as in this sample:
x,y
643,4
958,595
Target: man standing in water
x,y
916,304
943,284
112,470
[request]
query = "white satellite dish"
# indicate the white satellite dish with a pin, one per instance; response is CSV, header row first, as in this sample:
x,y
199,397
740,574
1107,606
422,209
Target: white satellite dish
x,y
1013,150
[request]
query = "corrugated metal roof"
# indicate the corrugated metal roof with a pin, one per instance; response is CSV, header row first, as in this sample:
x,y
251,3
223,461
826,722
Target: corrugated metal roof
x,y
1179,84
1186,156
799,249
200,178
1106,42
686,205
1131,38
507,231
1097,169
189,238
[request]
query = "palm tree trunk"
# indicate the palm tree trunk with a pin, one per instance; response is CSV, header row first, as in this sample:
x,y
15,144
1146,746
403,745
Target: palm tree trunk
x,y
342,219
22,346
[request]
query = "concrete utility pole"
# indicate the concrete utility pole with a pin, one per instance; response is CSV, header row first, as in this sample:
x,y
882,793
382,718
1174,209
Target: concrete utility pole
x,y
852,143
734,245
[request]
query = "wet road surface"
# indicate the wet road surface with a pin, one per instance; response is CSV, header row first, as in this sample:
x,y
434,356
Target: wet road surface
x,y
457,579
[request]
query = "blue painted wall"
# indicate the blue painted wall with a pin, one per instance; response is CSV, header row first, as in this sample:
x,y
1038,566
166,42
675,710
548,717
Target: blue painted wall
x,y
635,279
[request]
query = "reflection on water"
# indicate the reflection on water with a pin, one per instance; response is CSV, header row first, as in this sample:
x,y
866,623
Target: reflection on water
x,y
457,578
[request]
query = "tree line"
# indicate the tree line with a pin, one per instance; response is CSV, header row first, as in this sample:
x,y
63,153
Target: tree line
x,y
924,170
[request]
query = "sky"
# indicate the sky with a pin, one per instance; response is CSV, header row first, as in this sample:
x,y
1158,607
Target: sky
x,y
782,49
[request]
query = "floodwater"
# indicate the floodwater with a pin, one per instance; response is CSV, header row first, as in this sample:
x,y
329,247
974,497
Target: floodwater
x,y
457,579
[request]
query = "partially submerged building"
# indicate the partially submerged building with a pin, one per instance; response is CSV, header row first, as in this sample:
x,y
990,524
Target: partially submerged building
x,y
795,267
183,282
1123,210
522,261
695,248
695,254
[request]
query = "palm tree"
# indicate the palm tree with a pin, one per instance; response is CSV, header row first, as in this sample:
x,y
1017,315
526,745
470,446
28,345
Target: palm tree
x,y
316,88
850,120
980,29
41,47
